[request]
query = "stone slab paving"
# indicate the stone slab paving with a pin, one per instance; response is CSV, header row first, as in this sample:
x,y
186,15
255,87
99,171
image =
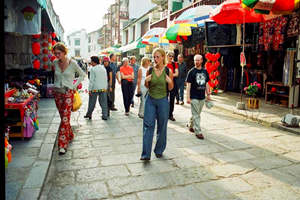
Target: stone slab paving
x,y
31,157
238,159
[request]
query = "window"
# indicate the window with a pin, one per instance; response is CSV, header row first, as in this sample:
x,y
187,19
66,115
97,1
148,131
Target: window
x,y
133,33
77,42
144,27
77,53
89,39
126,32
89,49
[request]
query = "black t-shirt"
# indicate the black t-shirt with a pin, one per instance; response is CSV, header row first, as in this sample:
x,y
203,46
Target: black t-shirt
x,y
198,79
108,70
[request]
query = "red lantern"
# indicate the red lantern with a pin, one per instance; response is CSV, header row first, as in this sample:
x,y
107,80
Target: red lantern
x,y
49,40
36,64
36,36
36,48
45,51
45,59
218,55
45,44
217,73
52,58
53,42
53,35
216,82
45,66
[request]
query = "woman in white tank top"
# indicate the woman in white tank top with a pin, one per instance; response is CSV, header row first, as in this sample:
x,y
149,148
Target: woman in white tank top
x,y
142,90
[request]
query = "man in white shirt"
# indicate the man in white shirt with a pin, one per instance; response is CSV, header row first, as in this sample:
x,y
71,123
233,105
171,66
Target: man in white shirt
x,y
97,87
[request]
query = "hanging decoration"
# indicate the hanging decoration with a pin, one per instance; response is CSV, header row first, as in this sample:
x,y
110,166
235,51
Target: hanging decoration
x,y
44,44
28,13
52,58
45,59
45,51
36,64
36,36
45,67
53,42
53,35
36,48
212,66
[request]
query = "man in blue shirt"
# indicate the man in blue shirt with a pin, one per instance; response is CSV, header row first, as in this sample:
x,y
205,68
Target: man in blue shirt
x,y
135,69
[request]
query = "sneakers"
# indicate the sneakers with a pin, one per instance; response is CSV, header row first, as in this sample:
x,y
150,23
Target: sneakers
x,y
127,113
191,130
113,109
182,103
62,151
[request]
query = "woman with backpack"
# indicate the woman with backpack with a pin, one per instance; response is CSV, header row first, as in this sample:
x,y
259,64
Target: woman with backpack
x,y
159,80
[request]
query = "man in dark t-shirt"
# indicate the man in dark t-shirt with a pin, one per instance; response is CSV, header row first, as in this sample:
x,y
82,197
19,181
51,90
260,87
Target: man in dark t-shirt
x,y
109,80
197,87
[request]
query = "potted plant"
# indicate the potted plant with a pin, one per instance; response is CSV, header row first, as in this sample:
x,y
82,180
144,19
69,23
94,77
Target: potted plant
x,y
251,91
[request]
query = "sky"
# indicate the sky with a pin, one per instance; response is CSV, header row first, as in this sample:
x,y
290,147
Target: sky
x,y
77,14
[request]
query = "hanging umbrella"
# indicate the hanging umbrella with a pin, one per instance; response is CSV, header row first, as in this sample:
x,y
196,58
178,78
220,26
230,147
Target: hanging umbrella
x,y
155,36
194,15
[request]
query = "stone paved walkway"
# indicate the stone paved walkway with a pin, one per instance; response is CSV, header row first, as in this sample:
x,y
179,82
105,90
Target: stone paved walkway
x,y
237,160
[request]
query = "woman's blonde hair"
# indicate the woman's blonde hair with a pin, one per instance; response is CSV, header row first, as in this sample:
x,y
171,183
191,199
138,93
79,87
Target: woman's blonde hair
x,y
144,60
170,53
61,47
162,53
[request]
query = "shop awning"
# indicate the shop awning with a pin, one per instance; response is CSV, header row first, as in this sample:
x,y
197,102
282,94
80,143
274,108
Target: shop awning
x,y
129,47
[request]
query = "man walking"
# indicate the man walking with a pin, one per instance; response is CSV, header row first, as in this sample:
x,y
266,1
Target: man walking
x,y
182,69
135,69
109,81
114,68
197,87
97,88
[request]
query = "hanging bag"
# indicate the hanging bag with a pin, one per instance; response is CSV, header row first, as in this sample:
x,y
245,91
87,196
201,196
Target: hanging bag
x,y
76,102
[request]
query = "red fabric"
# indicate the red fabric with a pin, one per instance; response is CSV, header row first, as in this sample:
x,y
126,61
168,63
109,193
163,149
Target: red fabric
x,y
64,104
127,71
171,66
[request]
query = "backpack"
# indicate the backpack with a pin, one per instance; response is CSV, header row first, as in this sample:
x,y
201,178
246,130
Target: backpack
x,y
167,72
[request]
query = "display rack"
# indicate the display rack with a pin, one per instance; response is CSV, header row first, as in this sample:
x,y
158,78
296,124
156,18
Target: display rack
x,y
283,95
17,110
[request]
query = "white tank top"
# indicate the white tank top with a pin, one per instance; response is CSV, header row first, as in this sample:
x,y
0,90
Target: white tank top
x,y
144,72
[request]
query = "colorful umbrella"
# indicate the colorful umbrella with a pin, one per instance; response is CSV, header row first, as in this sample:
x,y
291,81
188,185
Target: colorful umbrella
x,y
232,12
194,15
276,6
155,32
176,30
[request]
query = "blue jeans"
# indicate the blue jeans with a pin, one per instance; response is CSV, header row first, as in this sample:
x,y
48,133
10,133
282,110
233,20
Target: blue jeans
x,y
155,109
180,86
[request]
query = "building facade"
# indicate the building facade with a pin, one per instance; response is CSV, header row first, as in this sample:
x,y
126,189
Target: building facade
x,y
78,44
93,45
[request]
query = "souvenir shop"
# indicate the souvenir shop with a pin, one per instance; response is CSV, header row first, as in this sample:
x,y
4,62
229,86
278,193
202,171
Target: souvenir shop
x,y
29,37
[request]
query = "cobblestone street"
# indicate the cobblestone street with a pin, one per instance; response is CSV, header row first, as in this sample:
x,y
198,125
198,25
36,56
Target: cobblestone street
x,y
237,159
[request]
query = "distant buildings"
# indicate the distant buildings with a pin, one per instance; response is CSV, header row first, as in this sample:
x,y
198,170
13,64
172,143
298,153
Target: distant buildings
x,y
78,44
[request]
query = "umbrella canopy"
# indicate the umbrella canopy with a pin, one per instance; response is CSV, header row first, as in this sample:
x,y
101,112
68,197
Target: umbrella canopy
x,y
232,12
154,32
276,6
176,30
194,15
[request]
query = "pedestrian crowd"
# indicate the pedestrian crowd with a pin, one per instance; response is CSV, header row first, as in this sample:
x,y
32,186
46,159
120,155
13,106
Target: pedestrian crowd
x,y
158,85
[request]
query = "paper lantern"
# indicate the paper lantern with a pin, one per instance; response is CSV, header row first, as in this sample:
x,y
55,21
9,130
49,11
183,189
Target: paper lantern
x,y
52,58
49,40
45,66
50,47
53,42
44,44
36,48
53,35
45,59
36,64
45,36
45,51
36,36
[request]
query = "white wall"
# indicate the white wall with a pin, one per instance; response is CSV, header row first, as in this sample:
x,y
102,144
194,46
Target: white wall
x,y
138,8
94,46
82,35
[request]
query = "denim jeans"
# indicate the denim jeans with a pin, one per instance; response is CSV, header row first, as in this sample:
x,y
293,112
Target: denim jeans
x,y
102,98
155,109
180,86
